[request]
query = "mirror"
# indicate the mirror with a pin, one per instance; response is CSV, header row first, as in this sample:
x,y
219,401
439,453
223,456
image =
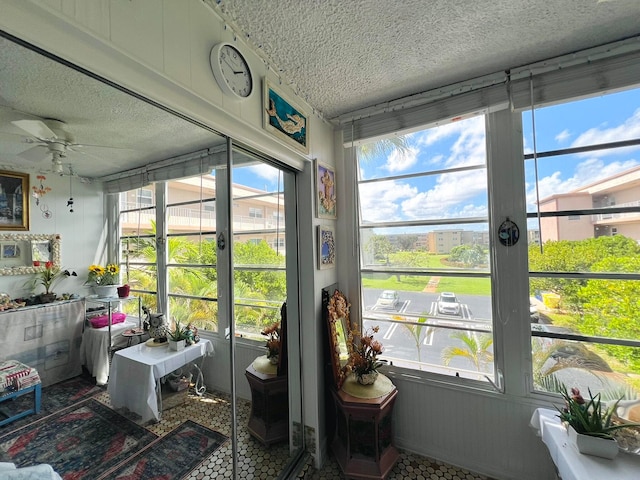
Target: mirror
x,y
20,253
339,326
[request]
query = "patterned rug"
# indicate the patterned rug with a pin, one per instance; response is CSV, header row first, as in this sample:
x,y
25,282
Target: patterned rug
x,y
54,398
172,456
83,441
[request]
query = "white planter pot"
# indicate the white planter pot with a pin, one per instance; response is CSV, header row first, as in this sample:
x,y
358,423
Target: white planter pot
x,y
177,346
590,445
367,378
105,291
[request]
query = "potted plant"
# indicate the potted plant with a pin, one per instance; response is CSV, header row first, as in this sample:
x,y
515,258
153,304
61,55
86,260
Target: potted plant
x,y
49,277
590,424
364,362
177,337
104,279
272,333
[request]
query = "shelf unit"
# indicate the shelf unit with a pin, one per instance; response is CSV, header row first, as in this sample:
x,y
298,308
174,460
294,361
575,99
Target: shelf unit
x,y
108,306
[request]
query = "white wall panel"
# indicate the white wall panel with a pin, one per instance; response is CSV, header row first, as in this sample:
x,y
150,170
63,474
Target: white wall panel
x,y
216,370
485,433
176,45
137,28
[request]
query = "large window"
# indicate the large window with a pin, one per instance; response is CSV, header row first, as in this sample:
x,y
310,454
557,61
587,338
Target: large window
x,y
424,248
258,223
259,239
583,206
137,244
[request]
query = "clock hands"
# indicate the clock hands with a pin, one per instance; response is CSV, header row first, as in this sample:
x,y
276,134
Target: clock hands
x,y
233,67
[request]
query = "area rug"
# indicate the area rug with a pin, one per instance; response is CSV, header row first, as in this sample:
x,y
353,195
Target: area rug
x,y
54,398
172,456
81,442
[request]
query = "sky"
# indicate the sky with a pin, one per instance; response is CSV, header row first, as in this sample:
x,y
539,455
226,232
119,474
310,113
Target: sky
x,y
463,194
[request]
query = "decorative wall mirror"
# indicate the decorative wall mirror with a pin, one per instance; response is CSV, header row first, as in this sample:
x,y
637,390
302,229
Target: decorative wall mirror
x,y
24,253
339,325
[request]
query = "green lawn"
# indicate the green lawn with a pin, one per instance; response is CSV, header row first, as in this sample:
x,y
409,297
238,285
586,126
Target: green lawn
x,y
459,285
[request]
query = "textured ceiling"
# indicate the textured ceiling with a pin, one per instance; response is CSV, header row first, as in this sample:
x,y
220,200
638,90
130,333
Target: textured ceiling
x,y
115,131
340,55
343,55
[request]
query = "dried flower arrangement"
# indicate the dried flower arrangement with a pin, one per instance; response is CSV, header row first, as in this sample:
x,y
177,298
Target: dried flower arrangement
x,y
272,333
364,356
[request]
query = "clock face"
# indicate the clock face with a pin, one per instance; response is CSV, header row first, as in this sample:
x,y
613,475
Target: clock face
x,y
231,71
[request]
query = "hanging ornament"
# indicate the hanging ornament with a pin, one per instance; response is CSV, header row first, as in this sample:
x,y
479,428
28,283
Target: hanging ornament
x,y
40,190
70,201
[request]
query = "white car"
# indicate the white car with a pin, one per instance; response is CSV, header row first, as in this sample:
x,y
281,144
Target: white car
x,y
448,304
388,299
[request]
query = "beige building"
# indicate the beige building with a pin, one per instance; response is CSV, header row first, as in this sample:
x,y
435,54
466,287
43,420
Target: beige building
x,y
615,192
257,214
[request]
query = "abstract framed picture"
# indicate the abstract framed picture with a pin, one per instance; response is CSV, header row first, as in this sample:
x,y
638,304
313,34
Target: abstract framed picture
x,y
284,119
326,247
325,191
14,204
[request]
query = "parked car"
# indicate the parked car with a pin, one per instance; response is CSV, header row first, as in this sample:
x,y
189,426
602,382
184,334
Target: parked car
x,y
448,304
388,299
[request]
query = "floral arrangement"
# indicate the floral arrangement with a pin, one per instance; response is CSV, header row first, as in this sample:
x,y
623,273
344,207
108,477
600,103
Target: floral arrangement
x,y
590,417
272,333
99,275
364,357
50,276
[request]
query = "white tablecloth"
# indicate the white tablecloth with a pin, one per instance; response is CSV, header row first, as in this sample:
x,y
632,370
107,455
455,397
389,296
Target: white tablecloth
x,y
571,464
8,471
136,371
94,350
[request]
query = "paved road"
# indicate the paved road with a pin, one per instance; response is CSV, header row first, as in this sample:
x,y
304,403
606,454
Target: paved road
x,y
399,341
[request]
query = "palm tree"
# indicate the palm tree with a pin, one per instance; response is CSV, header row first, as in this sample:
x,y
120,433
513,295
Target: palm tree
x,y
414,331
379,148
476,349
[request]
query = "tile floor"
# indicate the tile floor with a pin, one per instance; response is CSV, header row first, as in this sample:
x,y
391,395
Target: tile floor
x,y
258,462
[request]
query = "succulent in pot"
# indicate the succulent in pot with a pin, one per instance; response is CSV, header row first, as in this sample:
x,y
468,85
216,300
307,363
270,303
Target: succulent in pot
x,y
590,417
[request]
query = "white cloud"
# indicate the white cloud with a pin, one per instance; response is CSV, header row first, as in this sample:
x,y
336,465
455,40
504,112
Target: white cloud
x,y
563,136
265,171
469,147
447,199
380,201
629,129
399,161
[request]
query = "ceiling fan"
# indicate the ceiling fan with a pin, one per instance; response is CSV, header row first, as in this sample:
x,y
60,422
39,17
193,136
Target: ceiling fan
x,y
49,137
45,138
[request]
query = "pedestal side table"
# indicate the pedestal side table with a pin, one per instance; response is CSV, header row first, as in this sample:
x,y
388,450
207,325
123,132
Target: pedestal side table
x,y
269,418
363,440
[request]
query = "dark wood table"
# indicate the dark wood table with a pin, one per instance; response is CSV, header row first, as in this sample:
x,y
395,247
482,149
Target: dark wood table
x,y
363,440
269,418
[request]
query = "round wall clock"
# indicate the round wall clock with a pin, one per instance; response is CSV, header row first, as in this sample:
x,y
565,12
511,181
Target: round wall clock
x,y
231,71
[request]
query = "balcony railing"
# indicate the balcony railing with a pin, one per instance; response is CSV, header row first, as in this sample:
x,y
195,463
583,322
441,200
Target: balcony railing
x,y
188,217
607,217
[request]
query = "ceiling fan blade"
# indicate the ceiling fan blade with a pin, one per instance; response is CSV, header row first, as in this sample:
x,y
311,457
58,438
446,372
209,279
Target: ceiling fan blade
x,y
35,154
14,143
36,128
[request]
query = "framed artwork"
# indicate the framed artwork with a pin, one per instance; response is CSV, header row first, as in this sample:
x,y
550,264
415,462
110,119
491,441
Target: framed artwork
x,y
14,204
284,119
325,191
326,247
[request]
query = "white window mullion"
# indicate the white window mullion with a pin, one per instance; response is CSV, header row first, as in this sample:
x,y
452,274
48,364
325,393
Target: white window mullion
x,y
510,283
